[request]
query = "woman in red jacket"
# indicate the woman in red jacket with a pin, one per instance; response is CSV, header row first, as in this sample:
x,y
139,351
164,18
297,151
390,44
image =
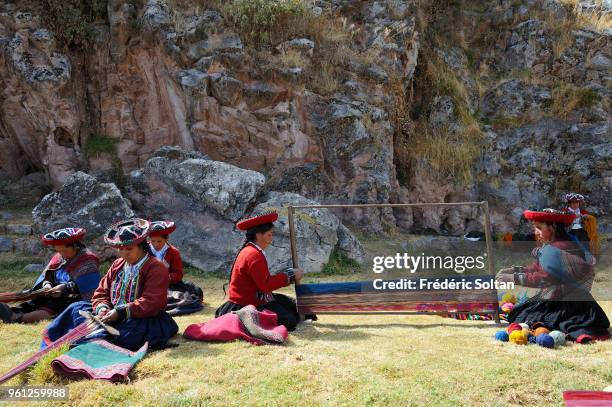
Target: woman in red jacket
x,y
165,252
131,296
250,280
183,297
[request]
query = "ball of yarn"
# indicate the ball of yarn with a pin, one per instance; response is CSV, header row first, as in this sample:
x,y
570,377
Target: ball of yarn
x,y
502,336
507,307
524,325
519,337
558,337
509,297
514,327
545,340
532,339
541,330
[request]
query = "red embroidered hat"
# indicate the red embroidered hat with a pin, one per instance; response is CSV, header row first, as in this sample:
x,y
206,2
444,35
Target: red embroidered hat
x,y
249,223
162,228
573,197
63,236
127,233
549,215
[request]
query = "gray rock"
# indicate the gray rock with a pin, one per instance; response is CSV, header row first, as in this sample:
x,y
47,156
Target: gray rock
x,y
24,20
262,93
204,63
221,187
600,62
81,202
42,35
225,89
513,98
341,111
302,45
215,44
17,229
194,80
6,244
349,245
156,16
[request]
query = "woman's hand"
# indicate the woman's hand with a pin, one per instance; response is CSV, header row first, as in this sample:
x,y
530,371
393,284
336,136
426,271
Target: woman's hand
x,y
298,275
110,316
505,277
507,270
56,291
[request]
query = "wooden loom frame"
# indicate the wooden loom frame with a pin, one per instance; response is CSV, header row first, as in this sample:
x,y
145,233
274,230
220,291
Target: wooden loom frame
x,y
487,226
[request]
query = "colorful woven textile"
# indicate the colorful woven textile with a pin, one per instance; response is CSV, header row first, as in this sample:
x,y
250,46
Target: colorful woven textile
x,y
98,359
361,296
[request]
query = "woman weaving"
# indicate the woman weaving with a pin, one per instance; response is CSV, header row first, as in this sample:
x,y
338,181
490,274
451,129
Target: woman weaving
x,y
250,278
564,274
71,275
131,296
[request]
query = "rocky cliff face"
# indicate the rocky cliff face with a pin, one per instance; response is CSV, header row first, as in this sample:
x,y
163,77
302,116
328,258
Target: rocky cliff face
x,y
378,101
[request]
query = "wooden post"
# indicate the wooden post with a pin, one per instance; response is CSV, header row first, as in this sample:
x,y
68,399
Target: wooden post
x,y
490,254
294,257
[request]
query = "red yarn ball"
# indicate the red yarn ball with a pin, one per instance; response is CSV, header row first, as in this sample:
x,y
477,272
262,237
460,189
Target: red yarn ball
x,y
514,327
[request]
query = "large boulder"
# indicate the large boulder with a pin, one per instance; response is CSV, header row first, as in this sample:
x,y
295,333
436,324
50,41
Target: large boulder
x,y
203,197
83,202
222,187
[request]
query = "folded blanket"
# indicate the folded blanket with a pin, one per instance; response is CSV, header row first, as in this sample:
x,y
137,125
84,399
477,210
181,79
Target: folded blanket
x,y
98,359
247,323
184,298
584,398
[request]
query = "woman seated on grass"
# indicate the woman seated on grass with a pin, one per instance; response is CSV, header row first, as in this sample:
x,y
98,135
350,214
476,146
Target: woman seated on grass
x,y
564,274
250,279
183,297
131,296
71,275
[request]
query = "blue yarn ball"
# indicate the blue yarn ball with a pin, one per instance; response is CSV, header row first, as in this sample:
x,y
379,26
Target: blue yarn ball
x,y
532,339
502,336
545,340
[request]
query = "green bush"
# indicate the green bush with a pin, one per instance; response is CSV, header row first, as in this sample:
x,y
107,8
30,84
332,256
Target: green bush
x,y
71,20
339,263
98,144
264,22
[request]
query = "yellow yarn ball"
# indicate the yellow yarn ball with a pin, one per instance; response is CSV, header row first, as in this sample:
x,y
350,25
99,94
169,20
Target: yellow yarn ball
x,y
519,337
509,297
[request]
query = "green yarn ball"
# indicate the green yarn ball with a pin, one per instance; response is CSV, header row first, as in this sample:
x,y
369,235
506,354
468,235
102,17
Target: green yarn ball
x,y
559,338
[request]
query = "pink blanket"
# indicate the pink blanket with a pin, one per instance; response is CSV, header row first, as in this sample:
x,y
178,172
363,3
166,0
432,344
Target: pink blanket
x,y
249,324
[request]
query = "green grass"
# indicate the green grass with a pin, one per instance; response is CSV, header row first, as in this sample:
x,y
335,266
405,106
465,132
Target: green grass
x,y
345,360
99,144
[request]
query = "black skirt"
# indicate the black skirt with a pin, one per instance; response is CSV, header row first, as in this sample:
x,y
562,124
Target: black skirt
x,y
283,306
575,318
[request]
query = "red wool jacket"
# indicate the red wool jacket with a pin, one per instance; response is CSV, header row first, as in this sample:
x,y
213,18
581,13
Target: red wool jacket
x,y
151,292
175,264
251,282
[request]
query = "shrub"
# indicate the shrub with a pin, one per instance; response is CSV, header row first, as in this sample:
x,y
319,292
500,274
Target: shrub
x,y
263,23
99,144
71,20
